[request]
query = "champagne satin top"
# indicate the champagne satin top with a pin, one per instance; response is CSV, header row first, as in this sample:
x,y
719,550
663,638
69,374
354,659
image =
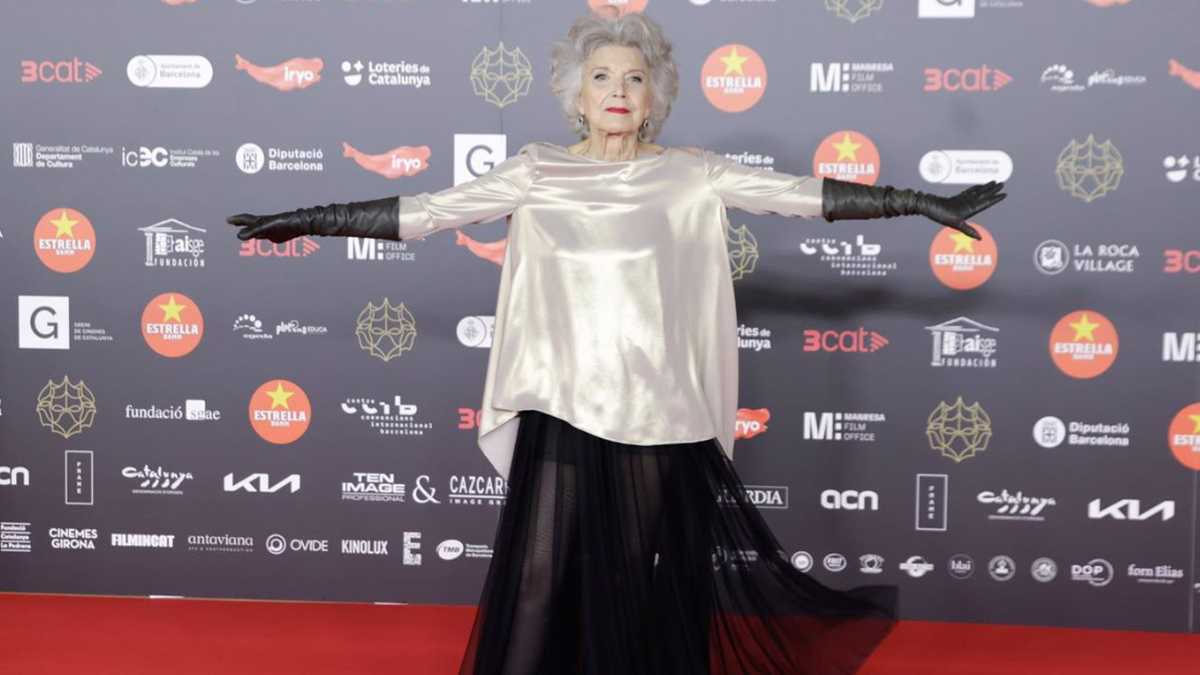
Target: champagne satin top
x,y
615,310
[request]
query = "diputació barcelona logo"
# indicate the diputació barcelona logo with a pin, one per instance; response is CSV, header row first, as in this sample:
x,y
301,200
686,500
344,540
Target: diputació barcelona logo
x,y
280,411
172,324
64,240
1084,344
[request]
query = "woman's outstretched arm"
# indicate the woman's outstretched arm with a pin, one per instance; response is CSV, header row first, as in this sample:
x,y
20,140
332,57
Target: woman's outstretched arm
x,y
779,193
493,195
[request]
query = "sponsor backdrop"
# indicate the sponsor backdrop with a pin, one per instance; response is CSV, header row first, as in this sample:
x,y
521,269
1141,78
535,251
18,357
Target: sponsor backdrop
x,y
1009,429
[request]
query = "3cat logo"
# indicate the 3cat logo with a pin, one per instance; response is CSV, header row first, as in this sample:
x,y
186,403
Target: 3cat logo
x,y
291,74
983,78
1083,344
66,408
73,71
751,422
1181,260
172,324
848,156
622,6
64,240
860,341
961,262
280,411
733,78
1184,436
398,162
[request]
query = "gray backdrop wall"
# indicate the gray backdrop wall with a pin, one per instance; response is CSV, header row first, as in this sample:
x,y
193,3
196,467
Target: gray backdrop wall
x,y
1008,429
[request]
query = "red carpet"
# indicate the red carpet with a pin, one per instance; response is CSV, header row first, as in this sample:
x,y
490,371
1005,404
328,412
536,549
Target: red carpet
x,y
84,635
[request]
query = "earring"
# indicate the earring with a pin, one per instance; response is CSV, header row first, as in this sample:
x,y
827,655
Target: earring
x,y
580,120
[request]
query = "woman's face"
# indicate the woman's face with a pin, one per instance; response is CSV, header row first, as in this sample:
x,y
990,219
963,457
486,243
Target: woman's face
x,y
615,97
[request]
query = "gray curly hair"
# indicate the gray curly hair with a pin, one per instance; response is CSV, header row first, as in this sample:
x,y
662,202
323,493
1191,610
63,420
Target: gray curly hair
x,y
592,31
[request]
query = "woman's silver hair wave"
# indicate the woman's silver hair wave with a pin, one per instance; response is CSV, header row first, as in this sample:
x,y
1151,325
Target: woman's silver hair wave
x,y
592,31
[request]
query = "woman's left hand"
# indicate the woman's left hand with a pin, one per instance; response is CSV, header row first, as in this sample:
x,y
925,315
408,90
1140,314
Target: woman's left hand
x,y
954,211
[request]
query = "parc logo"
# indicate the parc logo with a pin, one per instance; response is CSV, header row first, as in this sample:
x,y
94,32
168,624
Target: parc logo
x,y
860,341
1084,344
849,156
292,74
751,422
64,240
961,262
73,71
983,78
172,324
733,78
398,162
280,411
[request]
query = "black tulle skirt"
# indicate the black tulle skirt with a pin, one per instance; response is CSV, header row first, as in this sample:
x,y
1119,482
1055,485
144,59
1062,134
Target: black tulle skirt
x,y
616,559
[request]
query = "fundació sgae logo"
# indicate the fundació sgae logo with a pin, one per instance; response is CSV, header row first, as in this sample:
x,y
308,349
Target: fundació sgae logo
x,y
622,6
280,411
849,156
1184,436
961,262
172,324
64,240
733,78
1083,344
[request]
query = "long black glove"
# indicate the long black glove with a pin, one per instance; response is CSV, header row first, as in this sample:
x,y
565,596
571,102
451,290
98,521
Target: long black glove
x,y
843,200
378,219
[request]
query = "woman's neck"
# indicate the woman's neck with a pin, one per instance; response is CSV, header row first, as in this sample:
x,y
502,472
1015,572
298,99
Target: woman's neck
x,y
608,147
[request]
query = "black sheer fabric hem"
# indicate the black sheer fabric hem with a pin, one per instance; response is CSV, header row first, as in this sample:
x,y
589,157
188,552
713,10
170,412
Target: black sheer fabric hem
x,y
616,559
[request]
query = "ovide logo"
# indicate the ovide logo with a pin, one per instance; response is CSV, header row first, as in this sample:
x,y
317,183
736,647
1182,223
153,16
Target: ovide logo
x,y
733,78
70,72
982,78
751,422
395,163
64,240
1084,344
1181,261
291,74
961,262
849,156
172,325
861,341
280,411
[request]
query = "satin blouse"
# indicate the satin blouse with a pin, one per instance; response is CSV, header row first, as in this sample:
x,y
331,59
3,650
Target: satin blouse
x,y
615,309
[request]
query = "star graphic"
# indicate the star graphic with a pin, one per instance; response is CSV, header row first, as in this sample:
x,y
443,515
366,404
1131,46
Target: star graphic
x,y
1084,328
279,397
1196,419
171,310
847,149
733,62
962,242
63,225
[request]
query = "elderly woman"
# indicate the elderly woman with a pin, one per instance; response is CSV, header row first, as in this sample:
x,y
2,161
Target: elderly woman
x,y
627,545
